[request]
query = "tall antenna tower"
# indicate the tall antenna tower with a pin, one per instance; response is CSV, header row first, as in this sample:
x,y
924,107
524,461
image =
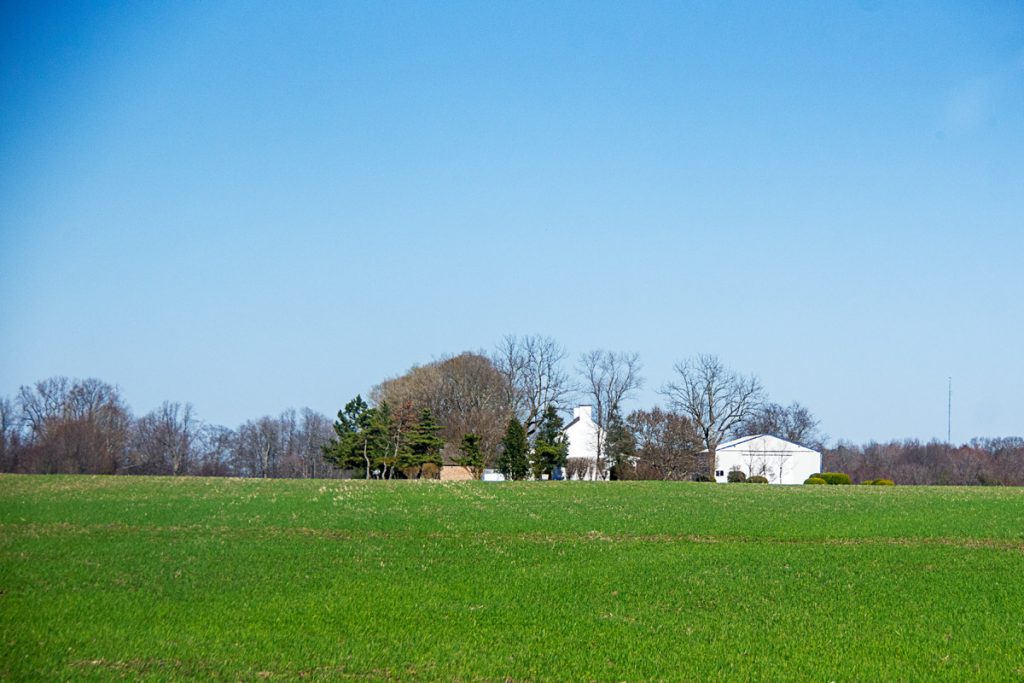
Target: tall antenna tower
x,y
949,413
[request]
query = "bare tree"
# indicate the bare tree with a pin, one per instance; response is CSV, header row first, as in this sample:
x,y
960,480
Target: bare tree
x,y
164,441
288,433
578,468
314,432
171,441
9,436
794,423
258,448
666,444
535,377
465,393
215,451
74,426
609,379
44,402
714,397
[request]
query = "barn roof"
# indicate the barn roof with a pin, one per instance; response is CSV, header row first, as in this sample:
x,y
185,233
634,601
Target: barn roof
x,y
762,443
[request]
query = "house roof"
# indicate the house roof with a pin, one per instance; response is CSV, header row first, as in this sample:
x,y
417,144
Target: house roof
x,y
762,443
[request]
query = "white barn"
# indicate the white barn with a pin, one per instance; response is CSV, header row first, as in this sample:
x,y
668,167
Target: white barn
x,y
583,435
778,460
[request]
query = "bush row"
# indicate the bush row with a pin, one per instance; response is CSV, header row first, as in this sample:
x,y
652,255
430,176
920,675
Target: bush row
x,y
738,477
817,479
832,478
841,479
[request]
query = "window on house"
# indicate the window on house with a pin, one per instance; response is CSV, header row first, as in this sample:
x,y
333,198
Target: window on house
x,y
719,473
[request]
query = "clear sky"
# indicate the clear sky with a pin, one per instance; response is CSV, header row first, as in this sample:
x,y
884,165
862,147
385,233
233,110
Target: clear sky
x,y
254,206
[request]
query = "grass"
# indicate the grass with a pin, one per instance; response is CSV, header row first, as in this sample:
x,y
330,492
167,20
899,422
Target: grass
x,y
105,578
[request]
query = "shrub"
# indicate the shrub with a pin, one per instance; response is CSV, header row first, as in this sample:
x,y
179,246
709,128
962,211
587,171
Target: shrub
x,y
756,479
884,482
704,478
818,481
736,477
868,482
835,478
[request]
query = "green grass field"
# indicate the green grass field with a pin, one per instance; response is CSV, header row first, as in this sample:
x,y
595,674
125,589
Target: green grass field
x,y
159,578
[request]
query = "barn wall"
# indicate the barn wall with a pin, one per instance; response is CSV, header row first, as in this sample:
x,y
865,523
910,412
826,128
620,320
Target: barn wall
x,y
795,468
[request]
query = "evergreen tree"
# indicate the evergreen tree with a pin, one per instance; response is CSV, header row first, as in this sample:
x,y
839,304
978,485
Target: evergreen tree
x,y
386,440
620,446
472,456
366,440
351,447
423,445
514,461
551,447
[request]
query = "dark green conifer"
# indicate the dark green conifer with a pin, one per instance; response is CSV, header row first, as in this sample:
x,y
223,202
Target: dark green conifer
x,y
514,461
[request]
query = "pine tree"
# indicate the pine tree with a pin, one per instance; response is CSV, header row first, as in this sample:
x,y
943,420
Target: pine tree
x,y
620,446
551,447
366,440
514,461
351,448
387,444
423,445
472,456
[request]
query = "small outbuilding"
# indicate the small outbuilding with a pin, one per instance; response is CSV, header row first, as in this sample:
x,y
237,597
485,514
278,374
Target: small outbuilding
x,y
453,472
777,460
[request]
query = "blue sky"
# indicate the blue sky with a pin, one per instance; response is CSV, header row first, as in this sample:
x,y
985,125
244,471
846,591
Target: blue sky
x,y
254,206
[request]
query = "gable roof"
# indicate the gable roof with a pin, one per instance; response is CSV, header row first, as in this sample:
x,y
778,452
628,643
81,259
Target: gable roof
x,y
762,443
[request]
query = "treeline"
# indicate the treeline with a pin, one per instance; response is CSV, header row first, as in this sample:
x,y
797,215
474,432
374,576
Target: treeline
x,y
462,409
981,462
469,409
60,425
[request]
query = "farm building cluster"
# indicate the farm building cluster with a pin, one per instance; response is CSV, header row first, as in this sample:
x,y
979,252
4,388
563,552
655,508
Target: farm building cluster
x,y
777,460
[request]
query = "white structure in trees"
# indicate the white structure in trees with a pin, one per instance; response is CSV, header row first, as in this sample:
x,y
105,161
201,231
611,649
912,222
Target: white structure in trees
x,y
778,460
583,435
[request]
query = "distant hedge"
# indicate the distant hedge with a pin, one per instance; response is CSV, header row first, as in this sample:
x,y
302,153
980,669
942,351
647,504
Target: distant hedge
x,y
878,482
756,480
817,481
835,478
736,477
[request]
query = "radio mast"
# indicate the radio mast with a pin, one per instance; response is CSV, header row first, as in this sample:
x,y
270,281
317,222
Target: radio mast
x,y
949,413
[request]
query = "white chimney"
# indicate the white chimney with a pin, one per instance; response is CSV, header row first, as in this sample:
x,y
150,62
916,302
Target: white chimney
x,y
583,412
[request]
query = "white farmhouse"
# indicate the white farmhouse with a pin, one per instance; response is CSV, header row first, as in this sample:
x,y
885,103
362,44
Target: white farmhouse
x,y
583,435
778,460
